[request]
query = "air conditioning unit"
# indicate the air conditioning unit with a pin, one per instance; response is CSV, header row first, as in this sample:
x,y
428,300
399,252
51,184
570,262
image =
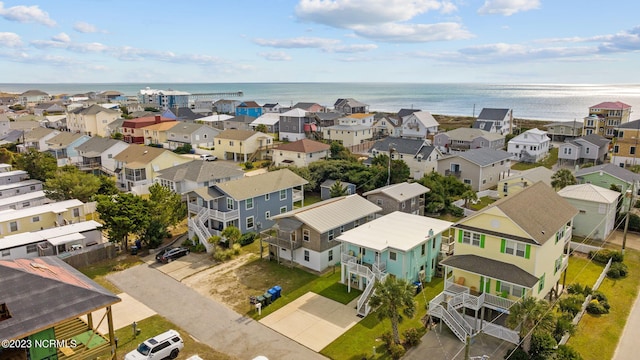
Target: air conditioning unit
x,y
422,275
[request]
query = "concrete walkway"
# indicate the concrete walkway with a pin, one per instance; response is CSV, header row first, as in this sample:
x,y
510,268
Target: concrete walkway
x,y
206,320
124,314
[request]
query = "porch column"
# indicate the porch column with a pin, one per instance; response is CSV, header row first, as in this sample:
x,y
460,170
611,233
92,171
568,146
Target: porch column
x,y
112,334
90,320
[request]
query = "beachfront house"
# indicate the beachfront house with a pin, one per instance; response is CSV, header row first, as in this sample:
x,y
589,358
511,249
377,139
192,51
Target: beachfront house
x,y
463,139
295,124
495,120
626,145
503,253
586,149
249,108
350,106
418,125
402,245
531,146
605,117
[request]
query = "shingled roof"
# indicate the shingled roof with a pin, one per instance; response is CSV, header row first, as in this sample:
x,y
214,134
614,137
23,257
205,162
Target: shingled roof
x,y
304,146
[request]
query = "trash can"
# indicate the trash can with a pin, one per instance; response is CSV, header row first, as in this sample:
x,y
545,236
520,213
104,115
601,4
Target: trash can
x,y
418,286
274,294
267,297
262,300
134,250
278,290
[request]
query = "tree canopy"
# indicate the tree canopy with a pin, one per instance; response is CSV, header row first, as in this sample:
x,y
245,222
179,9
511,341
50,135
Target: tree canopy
x,y
71,183
562,178
39,165
337,189
393,299
122,215
444,190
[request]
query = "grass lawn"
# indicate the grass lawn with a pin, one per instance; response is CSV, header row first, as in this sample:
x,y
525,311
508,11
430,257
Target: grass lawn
x,y
598,335
311,198
547,162
482,203
358,342
155,325
98,271
294,282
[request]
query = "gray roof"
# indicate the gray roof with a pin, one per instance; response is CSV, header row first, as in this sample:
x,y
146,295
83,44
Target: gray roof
x,y
573,124
200,171
401,191
485,156
635,124
328,115
252,186
185,113
611,169
483,125
12,136
493,114
245,119
329,183
534,175
188,128
332,213
404,112
45,291
468,134
491,268
304,105
402,146
595,139
94,109
96,146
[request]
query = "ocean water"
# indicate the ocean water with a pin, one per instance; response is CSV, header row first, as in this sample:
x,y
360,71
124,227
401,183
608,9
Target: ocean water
x,y
556,102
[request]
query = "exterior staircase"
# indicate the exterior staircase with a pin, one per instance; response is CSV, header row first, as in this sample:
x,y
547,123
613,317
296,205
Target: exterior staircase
x,y
197,223
371,275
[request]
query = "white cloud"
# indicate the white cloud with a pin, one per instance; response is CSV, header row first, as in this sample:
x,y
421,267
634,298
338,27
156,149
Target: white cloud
x,y
300,42
346,13
275,56
62,37
356,48
84,27
11,40
508,7
26,14
411,33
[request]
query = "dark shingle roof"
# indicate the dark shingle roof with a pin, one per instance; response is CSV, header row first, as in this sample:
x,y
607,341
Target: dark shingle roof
x,y
492,269
483,125
635,124
402,146
493,114
200,171
596,139
405,112
485,156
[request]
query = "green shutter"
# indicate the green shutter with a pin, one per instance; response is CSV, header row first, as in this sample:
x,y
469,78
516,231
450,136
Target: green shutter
x,y
527,251
487,287
460,236
482,241
503,245
481,283
498,285
541,284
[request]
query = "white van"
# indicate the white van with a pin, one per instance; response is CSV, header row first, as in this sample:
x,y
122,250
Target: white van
x,y
166,345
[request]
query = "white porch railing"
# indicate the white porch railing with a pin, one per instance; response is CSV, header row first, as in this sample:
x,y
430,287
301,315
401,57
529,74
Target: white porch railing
x,y
371,275
497,302
501,332
224,216
193,224
298,195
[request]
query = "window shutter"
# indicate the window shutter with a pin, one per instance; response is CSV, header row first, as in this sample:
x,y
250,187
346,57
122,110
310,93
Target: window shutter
x,y
487,287
527,251
460,236
503,245
482,241
498,285
481,283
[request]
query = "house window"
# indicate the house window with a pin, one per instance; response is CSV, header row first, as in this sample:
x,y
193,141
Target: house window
x,y
13,226
6,252
250,222
586,150
32,248
306,255
541,284
511,289
379,202
35,219
306,235
330,235
413,201
230,203
467,181
423,249
248,204
267,197
615,149
283,210
356,223
267,215
283,194
26,204
632,150
330,255
470,238
230,143
404,204
558,264
393,256
515,248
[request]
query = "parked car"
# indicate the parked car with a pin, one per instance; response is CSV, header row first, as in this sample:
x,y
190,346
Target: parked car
x,y
207,157
166,345
170,254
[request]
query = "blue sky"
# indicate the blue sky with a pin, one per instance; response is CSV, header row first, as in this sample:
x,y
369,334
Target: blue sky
x,y
484,41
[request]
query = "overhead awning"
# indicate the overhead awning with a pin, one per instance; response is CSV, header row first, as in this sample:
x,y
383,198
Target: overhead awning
x,y
65,239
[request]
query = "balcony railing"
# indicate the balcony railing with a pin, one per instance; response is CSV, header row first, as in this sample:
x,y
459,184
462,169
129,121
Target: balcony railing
x,y
298,195
283,243
453,173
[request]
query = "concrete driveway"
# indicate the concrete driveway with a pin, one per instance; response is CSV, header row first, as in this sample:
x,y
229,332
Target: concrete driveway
x,y
313,320
183,267
124,314
206,320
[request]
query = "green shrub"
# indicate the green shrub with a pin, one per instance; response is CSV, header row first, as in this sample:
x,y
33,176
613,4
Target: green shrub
x,y
411,337
387,339
248,165
455,211
199,248
575,288
566,352
517,354
564,325
596,308
572,304
247,238
188,243
599,296
617,270
542,346
397,351
637,204
603,255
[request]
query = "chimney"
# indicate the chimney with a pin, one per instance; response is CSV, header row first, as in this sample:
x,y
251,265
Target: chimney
x,y
157,119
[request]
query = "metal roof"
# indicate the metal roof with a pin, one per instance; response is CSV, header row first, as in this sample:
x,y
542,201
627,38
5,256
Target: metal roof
x,y
589,192
398,230
400,192
56,207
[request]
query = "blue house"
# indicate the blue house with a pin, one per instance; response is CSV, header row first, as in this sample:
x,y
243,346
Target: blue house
x,y
325,188
247,203
63,147
399,244
249,108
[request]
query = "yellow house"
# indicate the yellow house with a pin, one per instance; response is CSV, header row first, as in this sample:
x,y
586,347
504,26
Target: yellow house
x,y
92,120
241,145
626,145
518,182
514,248
157,133
36,218
138,165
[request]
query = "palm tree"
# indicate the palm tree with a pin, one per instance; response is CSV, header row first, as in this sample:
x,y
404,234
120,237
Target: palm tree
x,y
562,178
530,313
232,234
469,195
392,299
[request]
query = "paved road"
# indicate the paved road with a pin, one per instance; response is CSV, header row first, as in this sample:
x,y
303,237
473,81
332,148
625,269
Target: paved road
x,y
206,320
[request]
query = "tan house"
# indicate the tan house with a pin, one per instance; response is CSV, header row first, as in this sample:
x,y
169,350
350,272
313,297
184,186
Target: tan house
x,y
242,145
36,138
138,166
520,181
300,153
626,145
605,117
157,134
47,216
518,247
348,135
480,168
560,131
92,120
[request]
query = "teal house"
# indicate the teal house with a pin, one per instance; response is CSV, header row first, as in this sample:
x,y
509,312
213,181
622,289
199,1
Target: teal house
x,y
607,175
399,244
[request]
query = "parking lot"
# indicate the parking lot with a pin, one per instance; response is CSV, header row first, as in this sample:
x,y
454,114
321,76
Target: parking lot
x,y
183,267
